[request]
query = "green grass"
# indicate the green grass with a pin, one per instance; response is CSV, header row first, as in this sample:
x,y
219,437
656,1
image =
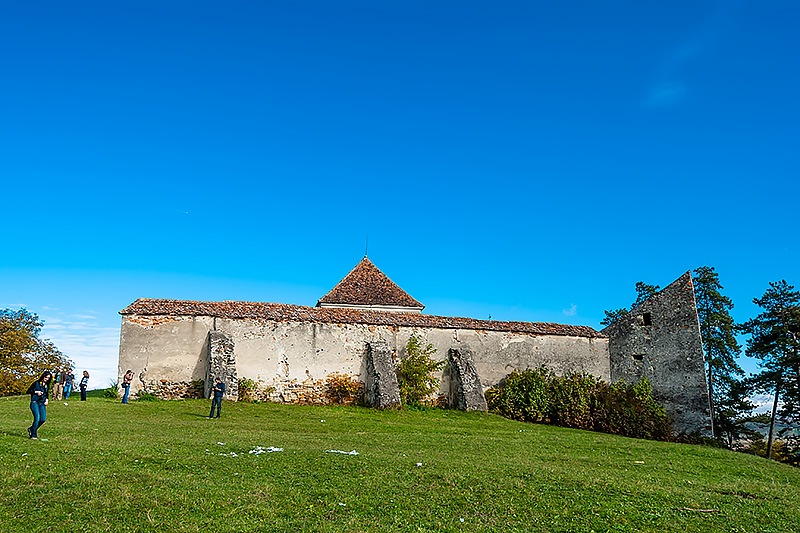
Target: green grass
x,y
157,466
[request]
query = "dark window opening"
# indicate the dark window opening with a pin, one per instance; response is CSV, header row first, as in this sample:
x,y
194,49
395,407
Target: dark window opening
x,y
648,319
638,356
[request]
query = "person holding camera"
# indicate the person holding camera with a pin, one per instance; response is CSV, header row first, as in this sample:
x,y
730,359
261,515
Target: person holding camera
x,y
219,390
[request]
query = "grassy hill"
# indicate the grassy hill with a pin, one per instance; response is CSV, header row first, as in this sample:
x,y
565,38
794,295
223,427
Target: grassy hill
x,y
161,466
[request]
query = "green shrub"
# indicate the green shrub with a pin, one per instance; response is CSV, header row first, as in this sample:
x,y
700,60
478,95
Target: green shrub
x,y
247,390
415,372
580,401
112,392
146,397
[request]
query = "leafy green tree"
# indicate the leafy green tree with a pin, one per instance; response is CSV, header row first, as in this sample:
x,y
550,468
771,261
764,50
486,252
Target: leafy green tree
x,y
775,340
23,355
718,330
415,372
643,292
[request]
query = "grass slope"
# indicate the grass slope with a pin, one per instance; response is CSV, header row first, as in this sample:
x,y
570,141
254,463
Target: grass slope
x,y
158,466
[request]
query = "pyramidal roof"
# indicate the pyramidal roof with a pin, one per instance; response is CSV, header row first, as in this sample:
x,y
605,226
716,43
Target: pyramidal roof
x,y
367,287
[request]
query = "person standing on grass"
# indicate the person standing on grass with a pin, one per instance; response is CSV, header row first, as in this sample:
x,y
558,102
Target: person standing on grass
x,y
58,384
126,384
219,390
84,384
38,392
69,383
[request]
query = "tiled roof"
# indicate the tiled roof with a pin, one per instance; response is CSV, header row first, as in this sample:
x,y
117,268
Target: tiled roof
x,y
367,285
298,313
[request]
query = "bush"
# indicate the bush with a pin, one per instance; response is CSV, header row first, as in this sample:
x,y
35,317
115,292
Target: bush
x,y
112,392
415,372
146,397
580,401
342,388
247,390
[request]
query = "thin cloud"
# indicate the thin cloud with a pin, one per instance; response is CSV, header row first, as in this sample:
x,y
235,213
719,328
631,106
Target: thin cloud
x,y
669,87
666,94
572,311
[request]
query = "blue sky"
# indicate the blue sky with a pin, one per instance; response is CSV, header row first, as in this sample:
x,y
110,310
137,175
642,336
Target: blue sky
x,y
524,160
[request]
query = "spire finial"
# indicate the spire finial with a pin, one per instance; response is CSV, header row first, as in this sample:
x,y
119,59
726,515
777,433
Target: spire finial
x,y
366,247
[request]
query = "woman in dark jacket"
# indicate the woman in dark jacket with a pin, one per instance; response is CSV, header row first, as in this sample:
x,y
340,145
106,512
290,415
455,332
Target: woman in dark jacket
x,y
84,384
38,392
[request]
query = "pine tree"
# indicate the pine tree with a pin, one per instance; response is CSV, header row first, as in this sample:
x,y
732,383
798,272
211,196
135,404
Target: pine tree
x,y
717,330
643,292
775,339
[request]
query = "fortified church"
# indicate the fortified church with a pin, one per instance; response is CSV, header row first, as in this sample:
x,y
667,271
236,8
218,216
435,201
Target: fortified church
x,y
362,326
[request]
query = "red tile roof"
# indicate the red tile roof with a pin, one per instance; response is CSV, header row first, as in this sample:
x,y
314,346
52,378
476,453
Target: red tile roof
x,y
299,313
367,285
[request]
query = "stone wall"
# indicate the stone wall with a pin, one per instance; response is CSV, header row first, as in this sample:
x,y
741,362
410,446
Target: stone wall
x,y
660,339
295,358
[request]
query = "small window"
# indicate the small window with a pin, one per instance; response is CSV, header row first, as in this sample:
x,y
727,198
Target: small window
x,y
639,356
648,319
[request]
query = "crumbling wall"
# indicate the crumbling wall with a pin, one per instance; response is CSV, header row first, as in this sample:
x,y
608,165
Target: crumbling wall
x,y
168,354
380,384
660,339
222,365
290,361
466,390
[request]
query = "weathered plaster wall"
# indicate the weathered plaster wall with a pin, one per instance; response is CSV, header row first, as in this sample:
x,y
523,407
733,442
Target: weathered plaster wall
x,y
295,358
661,340
166,353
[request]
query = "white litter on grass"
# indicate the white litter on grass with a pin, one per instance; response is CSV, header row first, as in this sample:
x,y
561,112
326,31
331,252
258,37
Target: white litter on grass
x,y
231,454
24,454
343,504
221,443
65,403
461,519
258,450
322,421
94,430
419,464
351,452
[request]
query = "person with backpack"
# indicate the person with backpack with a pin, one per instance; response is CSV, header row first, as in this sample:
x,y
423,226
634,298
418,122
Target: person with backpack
x,y
38,392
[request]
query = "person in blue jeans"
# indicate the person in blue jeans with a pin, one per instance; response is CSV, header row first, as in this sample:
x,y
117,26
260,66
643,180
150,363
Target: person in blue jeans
x,y
38,392
126,384
69,383
219,390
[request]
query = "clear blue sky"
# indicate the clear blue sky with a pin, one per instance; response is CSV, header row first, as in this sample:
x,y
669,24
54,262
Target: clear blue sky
x,y
524,160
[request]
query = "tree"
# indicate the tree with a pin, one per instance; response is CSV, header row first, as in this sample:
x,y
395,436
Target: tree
x,y
775,340
415,372
717,330
23,355
733,413
643,292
